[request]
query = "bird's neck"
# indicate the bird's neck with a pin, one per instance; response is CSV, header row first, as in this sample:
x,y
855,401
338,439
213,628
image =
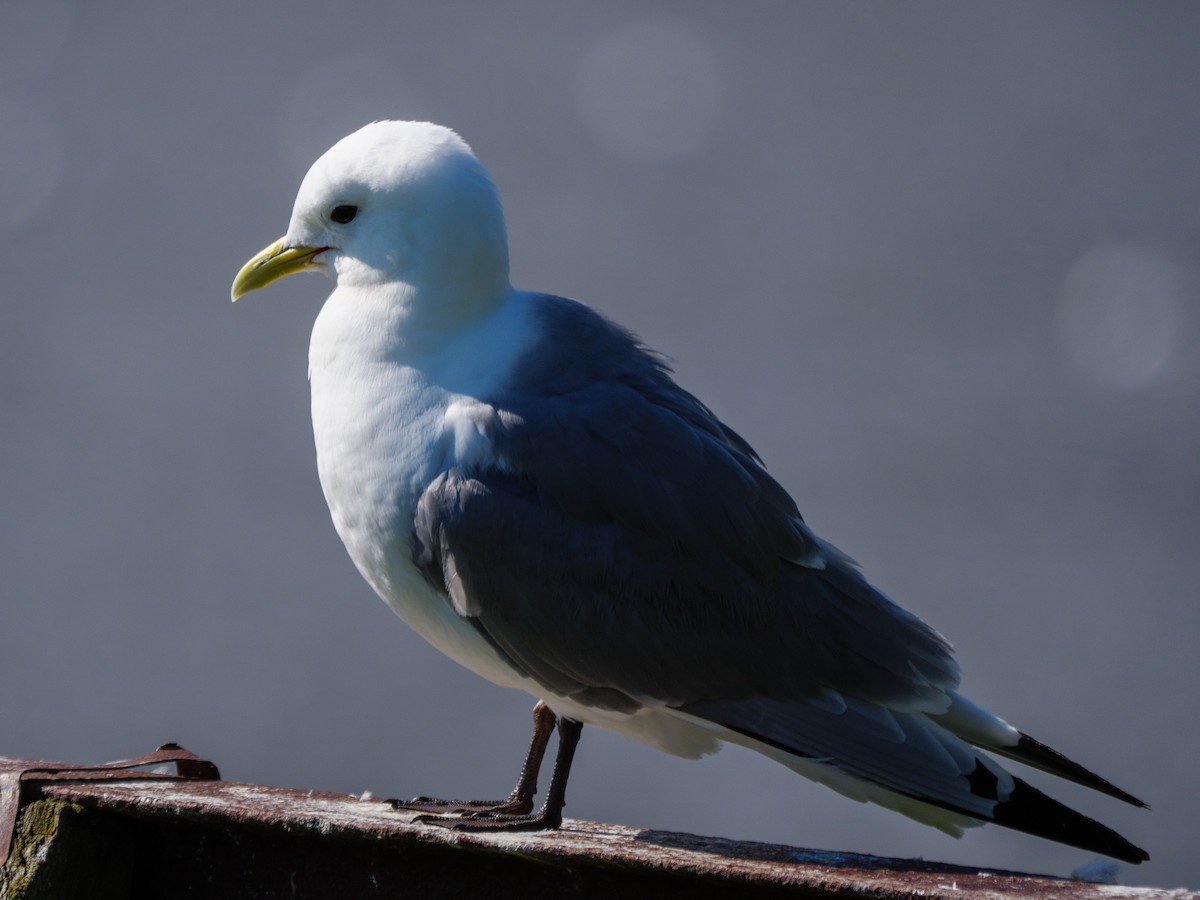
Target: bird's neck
x,y
404,323
402,327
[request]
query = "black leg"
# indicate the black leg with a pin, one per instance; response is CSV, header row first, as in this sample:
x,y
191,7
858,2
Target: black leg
x,y
547,818
520,801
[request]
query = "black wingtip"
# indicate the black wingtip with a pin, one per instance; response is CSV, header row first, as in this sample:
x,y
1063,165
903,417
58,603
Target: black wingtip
x,y
1028,809
1033,752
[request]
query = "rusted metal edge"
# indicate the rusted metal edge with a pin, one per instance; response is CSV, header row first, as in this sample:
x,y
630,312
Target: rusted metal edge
x,y
14,773
339,816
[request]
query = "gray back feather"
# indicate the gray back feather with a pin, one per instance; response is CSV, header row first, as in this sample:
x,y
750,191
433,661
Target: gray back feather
x,y
633,549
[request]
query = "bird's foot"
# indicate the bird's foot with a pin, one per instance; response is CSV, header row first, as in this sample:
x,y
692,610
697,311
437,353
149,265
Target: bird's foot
x,y
515,813
486,821
513,806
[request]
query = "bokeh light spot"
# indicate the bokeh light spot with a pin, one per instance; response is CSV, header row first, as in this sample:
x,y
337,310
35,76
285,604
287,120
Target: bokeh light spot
x,y
1121,312
650,91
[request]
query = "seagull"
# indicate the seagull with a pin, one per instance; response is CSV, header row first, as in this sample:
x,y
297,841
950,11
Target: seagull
x,y
524,483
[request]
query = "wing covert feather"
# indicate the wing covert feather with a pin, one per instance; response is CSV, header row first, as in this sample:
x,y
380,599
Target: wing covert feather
x,y
631,549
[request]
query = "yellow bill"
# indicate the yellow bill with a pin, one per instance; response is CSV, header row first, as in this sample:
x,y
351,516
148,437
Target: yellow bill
x,y
271,264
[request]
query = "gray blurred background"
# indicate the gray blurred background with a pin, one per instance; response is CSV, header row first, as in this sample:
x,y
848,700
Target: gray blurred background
x,y
937,261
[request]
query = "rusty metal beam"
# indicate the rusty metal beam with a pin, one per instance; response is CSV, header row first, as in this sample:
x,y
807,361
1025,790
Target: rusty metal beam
x,y
247,840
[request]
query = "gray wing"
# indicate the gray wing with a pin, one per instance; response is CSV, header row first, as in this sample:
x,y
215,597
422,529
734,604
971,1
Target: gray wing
x,y
631,549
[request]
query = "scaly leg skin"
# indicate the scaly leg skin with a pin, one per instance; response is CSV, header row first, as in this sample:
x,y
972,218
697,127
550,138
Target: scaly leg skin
x,y
550,815
520,801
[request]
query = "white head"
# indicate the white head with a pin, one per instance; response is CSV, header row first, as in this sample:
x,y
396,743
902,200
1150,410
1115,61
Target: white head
x,y
395,203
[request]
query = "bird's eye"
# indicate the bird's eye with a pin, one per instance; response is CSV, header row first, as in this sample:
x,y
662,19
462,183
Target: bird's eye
x,y
344,213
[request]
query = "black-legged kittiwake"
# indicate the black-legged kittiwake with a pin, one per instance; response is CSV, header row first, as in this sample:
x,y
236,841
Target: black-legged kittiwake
x,y
525,484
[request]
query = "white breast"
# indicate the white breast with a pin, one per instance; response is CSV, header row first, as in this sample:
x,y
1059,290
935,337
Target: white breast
x,y
387,421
